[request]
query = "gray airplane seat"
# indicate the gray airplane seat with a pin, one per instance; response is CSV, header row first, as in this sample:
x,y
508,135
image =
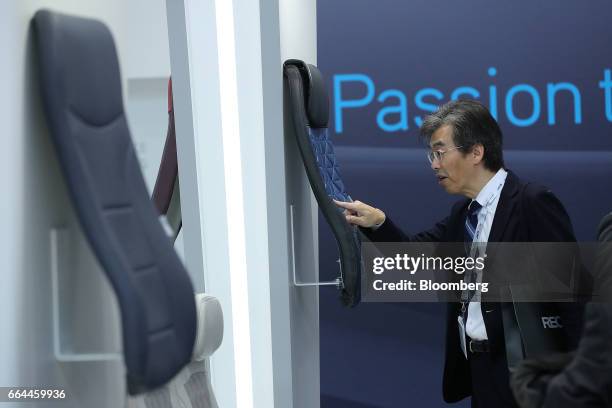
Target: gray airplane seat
x,y
192,387
166,193
308,108
82,97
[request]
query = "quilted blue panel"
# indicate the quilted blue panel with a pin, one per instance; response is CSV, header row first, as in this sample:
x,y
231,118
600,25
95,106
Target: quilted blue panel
x,y
327,163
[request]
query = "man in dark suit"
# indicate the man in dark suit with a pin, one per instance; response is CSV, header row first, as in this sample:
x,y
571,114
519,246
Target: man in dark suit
x,y
467,159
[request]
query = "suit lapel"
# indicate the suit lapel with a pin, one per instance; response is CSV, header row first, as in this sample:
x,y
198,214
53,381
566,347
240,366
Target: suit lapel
x,y
505,207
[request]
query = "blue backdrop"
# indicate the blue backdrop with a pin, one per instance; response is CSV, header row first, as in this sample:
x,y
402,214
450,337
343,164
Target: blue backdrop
x,y
545,71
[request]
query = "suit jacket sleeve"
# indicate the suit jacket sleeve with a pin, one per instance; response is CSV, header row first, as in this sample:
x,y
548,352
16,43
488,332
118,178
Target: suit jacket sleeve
x,y
389,232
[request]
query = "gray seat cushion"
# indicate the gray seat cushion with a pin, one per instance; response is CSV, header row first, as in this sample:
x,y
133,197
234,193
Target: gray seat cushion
x,y
81,89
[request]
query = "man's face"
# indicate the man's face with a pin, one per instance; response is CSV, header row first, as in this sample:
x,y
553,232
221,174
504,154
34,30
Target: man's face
x,y
454,170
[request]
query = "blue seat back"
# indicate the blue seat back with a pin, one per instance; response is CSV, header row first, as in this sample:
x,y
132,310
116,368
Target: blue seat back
x,y
307,105
327,162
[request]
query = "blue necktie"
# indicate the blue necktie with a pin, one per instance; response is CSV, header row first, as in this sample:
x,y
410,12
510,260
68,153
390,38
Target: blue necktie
x,y
471,222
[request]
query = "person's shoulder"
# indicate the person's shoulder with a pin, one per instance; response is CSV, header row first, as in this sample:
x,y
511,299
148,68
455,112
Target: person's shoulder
x,y
534,191
536,195
531,190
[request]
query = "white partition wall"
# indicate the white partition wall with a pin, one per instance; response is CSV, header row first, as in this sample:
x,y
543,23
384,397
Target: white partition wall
x,y
298,41
40,232
239,176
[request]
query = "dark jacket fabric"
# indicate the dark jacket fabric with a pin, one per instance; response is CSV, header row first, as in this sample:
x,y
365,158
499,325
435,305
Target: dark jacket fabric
x,y
587,380
530,380
574,380
583,378
526,212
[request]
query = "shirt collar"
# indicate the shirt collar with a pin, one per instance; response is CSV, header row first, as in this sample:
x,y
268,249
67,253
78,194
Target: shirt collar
x,y
492,188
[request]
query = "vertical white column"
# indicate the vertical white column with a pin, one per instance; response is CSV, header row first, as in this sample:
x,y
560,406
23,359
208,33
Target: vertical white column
x,y
10,160
233,155
195,76
238,177
298,40
250,98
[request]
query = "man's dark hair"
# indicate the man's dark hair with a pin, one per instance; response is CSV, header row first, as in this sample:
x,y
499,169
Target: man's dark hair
x,y
472,124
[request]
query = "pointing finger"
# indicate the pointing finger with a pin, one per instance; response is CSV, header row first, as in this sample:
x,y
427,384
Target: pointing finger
x,y
348,206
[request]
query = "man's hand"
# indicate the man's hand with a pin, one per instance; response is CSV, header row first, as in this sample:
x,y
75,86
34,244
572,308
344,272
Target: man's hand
x,y
361,214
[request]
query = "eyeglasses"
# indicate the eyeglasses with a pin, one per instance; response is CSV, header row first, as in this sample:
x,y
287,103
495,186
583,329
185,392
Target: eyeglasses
x,y
439,154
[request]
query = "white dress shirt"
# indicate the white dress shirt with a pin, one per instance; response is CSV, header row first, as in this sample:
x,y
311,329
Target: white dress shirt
x,y
488,198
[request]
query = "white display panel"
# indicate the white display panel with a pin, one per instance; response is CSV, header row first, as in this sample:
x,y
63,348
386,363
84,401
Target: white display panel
x,y
238,178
